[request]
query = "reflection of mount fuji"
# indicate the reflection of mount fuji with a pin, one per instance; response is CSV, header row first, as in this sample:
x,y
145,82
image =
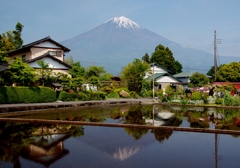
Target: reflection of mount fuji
x,y
115,142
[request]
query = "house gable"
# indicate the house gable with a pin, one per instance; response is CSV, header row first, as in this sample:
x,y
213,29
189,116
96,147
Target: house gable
x,y
51,60
47,44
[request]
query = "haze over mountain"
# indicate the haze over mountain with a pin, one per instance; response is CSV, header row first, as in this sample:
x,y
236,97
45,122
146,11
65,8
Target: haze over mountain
x,y
119,40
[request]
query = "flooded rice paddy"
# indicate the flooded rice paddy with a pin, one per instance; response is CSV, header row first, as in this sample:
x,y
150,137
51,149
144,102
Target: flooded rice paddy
x,y
30,144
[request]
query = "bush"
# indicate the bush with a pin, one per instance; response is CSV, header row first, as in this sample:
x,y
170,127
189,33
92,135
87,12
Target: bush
x,y
219,101
97,95
229,100
63,96
196,96
134,94
184,101
113,95
82,96
10,95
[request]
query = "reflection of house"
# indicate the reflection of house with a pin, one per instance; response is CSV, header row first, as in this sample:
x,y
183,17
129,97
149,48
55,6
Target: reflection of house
x,y
46,149
162,76
45,49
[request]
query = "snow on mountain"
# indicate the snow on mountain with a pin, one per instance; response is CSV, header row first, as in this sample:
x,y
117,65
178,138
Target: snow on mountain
x,y
123,22
120,40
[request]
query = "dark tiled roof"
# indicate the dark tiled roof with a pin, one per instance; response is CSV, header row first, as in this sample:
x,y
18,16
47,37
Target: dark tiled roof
x,y
28,46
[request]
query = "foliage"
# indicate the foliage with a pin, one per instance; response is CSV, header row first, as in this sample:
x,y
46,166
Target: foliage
x,y
196,96
198,79
230,100
77,70
69,60
76,83
164,57
184,101
10,95
112,95
219,101
105,77
134,94
45,71
134,74
94,71
94,81
97,95
229,72
10,41
63,96
146,58
82,96
21,72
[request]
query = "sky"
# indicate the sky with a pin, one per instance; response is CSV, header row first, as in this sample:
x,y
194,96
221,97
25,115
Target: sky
x,y
190,23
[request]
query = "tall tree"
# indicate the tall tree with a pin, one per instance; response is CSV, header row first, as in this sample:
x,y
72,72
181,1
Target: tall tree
x,y
198,80
164,57
45,71
69,60
146,58
134,74
9,41
229,72
94,71
77,70
21,73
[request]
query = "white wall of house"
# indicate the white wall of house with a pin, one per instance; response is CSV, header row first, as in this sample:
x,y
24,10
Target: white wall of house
x,y
155,70
47,44
52,64
166,79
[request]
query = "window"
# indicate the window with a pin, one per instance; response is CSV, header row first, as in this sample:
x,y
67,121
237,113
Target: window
x,y
55,53
24,57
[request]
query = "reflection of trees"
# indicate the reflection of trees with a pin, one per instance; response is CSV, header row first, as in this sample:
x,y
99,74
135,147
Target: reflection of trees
x,y
136,133
15,136
135,116
161,134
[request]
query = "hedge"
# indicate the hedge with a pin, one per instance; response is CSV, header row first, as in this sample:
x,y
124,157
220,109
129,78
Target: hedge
x,y
9,95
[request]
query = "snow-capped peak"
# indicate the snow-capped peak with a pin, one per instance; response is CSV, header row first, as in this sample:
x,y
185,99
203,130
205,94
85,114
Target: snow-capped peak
x,y
125,23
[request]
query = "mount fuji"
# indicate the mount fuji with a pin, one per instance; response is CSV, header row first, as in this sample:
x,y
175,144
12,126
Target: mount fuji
x,y
119,40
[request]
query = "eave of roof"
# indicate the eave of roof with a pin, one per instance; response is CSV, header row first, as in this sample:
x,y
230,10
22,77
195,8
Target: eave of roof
x,y
52,57
160,66
158,75
28,46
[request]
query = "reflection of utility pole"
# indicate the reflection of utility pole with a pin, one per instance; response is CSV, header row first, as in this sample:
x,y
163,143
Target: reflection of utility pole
x,y
216,150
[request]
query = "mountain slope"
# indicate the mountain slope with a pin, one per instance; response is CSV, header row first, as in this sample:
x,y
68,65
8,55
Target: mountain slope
x,y
118,41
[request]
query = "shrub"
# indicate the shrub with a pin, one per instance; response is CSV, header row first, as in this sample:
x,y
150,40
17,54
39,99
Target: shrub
x,y
63,96
229,100
184,101
113,95
10,95
97,95
219,101
196,96
82,96
134,94
120,89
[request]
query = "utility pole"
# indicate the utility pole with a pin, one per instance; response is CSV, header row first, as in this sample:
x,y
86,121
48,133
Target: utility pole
x,y
215,56
153,80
